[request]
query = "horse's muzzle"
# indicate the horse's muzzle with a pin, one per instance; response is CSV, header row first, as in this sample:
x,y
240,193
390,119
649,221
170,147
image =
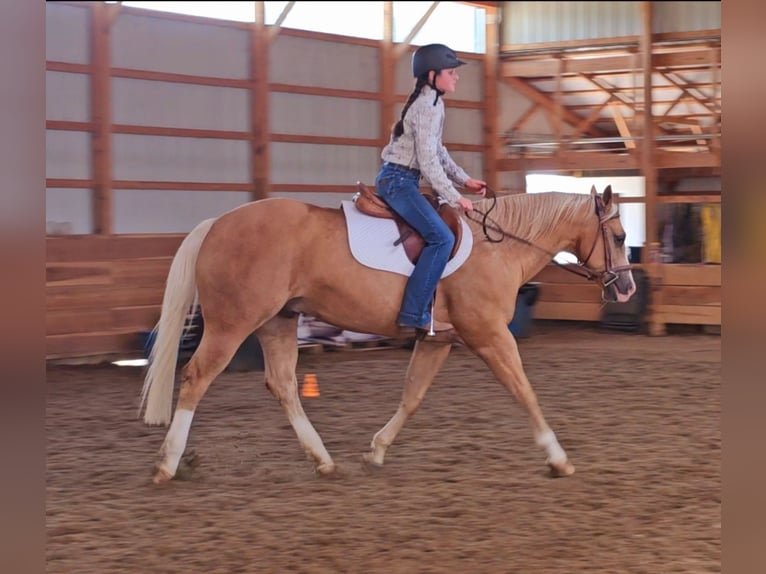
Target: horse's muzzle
x,y
618,286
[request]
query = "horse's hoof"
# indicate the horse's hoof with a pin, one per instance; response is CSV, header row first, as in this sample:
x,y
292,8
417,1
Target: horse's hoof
x,y
369,460
162,476
325,468
561,469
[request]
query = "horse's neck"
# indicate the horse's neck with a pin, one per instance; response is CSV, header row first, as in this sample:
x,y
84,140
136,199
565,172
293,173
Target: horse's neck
x,y
549,222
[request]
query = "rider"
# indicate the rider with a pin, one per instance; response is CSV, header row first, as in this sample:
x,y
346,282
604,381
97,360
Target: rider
x,y
415,150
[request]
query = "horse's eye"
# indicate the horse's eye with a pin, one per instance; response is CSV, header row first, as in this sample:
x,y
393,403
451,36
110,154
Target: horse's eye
x,y
619,240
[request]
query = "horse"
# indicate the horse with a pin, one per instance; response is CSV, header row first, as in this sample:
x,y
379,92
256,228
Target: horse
x,y
258,267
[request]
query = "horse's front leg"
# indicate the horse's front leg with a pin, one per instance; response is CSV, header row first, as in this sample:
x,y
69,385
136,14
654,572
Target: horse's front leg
x,y
497,347
427,358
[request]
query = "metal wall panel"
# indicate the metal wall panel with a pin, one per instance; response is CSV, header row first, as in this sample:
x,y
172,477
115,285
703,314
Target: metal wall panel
x,y
69,208
311,62
463,125
66,33
67,155
535,22
67,96
323,164
472,162
151,103
154,158
323,116
163,211
686,16
179,47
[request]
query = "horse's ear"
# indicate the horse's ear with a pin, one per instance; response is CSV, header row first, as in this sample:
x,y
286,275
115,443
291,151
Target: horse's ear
x,y
593,190
607,195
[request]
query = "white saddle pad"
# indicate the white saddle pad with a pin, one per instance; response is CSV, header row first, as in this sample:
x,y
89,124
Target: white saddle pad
x,y
372,239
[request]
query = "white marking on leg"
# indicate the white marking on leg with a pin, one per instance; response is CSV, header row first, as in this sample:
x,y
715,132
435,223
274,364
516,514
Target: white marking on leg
x,y
175,441
548,441
309,438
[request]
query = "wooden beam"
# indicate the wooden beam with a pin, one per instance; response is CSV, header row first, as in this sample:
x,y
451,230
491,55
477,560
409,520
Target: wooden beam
x,y
603,161
259,105
101,118
594,116
572,161
697,130
548,67
400,49
524,118
558,108
546,103
274,29
387,72
614,41
650,257
622,125
681,85
490,111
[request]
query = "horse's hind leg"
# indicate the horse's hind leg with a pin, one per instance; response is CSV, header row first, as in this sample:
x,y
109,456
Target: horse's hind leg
x,y
211,357
427,358
279,342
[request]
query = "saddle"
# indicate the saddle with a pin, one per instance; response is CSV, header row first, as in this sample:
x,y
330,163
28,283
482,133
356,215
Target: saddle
x,y
369,203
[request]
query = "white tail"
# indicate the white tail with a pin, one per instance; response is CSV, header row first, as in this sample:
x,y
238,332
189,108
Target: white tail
x,y
180,297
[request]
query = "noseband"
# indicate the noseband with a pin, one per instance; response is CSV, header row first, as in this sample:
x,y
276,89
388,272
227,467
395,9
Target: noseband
x,y
605,278
609,274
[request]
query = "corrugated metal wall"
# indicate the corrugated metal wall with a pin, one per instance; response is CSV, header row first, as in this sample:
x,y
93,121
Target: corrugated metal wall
x,y
536,22
686,16
67,97
149,42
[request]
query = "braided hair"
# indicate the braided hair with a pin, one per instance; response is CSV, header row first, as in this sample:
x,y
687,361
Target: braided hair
x,y
422,81
399,126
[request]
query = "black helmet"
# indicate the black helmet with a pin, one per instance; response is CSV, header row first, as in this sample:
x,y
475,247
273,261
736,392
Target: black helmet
x,y
433,57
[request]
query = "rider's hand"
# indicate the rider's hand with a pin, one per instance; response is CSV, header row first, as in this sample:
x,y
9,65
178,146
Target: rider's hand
x,y
477,186
465,203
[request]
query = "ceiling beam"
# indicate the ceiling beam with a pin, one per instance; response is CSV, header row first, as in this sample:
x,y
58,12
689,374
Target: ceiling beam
x,y
274,30
400,49
549,67
622,125
681,85
599,161
547,103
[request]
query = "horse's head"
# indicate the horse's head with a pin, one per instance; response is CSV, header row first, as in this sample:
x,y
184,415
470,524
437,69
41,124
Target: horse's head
x,y
607,256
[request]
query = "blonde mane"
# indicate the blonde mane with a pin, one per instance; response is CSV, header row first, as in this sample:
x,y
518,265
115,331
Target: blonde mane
x,y
530,215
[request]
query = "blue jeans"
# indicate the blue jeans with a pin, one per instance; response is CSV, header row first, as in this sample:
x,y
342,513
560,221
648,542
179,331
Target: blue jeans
x,y
399,188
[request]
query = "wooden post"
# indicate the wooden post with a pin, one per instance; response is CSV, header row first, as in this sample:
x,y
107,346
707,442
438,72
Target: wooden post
x,y
558,110
259,105
651,255
490,110
387,74
101,17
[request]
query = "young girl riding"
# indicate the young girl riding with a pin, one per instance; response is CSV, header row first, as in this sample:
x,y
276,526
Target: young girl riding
x,y
416,150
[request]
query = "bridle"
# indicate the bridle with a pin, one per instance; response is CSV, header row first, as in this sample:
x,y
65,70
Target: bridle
x,y
605,278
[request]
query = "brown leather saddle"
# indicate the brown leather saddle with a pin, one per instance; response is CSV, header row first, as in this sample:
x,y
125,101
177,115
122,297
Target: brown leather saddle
x,y
369,203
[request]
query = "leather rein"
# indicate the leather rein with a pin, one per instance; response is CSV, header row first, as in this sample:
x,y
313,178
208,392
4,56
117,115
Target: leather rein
x,y
606,277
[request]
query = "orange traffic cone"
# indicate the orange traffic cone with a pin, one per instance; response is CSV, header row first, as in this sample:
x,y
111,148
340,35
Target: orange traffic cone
x,y
310,386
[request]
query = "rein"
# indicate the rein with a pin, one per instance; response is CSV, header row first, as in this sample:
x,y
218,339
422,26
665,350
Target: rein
x,y
606,277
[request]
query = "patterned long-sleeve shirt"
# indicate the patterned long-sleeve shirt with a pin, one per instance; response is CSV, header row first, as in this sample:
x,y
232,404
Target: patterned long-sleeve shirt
x,y
420,147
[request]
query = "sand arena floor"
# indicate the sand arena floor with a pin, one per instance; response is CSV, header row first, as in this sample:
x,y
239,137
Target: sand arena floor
x,y
464,488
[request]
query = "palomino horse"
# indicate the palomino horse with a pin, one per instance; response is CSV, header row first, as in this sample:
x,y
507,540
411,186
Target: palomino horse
x,y
257,267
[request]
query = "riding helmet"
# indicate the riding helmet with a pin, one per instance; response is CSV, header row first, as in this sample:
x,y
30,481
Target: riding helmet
x,y
433,57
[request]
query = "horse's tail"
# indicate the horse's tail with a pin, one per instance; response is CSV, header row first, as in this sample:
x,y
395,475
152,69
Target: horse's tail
x,y
179,299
